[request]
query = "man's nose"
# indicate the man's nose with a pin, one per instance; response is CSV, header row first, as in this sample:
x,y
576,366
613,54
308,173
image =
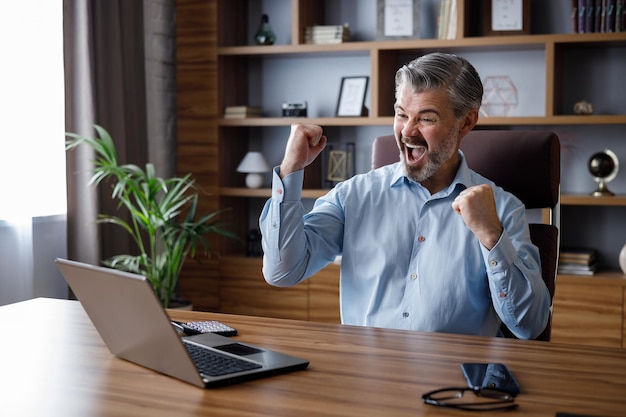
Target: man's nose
x,y
411,128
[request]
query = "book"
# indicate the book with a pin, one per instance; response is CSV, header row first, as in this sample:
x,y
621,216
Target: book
x,y
334,29
323,34
576,269
240,108
610,16
590,10
445,19
580,256
577,257
452,18
319,39
576,261
619,15
574,16
240,112
582,13
597,16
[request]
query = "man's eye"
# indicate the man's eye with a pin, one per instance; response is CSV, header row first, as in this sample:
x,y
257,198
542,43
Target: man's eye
x,y
428,120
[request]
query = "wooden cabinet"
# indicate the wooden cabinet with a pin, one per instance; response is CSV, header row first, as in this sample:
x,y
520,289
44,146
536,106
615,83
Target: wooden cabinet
x,y
590,310
218,65
244,291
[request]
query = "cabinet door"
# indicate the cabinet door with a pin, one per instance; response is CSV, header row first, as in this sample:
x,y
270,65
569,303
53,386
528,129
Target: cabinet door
x,y
324,295
588,314
244,291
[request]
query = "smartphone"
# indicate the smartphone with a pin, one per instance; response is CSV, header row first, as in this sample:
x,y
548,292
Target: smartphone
x,y
191,328
490,375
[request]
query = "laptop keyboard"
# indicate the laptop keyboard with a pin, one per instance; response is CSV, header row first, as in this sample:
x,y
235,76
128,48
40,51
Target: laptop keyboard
x,y
215,364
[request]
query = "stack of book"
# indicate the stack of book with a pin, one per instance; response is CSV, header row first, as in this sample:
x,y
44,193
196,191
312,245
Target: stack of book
x,y
324,34
578,261
241,112
598,16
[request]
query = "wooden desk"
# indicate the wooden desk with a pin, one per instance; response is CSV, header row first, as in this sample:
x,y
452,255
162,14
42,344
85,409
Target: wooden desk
x,y
53,363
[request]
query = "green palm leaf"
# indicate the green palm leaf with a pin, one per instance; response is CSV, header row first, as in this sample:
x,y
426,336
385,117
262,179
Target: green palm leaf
x,y
155,205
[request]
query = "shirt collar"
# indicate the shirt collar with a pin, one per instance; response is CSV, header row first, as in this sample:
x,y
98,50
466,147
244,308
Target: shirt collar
x,y
462,178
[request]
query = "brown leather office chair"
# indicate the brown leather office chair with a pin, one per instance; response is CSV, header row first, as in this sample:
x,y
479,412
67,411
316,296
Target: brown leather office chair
x,y
525,163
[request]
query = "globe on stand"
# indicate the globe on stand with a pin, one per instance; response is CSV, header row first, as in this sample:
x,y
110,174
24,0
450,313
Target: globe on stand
x,y
603,166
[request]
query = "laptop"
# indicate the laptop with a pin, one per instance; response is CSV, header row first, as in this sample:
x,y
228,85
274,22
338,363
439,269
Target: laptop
x,y
134,326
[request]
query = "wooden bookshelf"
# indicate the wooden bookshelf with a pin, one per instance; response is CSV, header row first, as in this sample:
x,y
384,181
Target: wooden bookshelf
x,y
215,62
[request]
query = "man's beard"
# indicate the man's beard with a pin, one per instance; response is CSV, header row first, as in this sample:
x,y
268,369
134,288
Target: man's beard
x,y
435,159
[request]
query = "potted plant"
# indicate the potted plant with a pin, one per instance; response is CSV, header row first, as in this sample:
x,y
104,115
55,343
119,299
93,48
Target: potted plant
x,y
163,216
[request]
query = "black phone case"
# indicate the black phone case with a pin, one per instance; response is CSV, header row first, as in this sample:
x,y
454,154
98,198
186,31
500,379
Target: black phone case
x,y
490,375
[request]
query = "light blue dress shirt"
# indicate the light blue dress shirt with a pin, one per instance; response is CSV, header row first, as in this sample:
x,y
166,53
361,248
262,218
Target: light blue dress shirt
x,y
408,259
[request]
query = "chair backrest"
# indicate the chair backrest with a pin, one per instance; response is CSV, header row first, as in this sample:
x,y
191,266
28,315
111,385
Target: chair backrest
x,y
525,163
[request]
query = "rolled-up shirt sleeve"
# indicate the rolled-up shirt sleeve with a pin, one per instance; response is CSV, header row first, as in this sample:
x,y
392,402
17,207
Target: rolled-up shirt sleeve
x,y
286,252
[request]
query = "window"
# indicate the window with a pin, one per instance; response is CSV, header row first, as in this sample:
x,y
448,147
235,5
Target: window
x,y
32,152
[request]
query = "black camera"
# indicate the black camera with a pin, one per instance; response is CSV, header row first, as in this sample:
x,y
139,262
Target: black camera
x,y
294,109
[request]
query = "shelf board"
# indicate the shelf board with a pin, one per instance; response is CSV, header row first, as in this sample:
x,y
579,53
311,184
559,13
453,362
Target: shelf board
x,y
599,119
589,200
516,42
553,120
322,121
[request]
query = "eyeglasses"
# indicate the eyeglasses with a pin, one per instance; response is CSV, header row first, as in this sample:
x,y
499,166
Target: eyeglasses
x,y
484,399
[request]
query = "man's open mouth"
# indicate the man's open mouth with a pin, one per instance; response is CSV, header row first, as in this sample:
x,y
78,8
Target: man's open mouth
x,y
414,153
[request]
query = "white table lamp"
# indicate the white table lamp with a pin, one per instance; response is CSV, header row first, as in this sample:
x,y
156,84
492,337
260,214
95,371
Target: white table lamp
x,y
254,164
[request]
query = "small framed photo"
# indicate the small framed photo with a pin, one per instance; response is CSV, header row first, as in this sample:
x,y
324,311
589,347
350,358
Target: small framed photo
x,y
506,17
398,19
352,96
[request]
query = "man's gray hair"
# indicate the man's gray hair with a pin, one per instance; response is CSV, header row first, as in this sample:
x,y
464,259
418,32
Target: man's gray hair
x,y
440,70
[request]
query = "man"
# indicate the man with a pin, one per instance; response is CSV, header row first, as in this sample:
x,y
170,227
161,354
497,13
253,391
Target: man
x,y
426,243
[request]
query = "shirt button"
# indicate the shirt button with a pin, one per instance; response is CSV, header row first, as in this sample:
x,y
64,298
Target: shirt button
x,y
405,314
279,191
493,263
421,239
413,276
502,295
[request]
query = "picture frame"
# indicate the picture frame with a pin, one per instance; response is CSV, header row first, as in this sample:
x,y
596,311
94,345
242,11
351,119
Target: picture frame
x,y
506,17
398,19
338,163
351,101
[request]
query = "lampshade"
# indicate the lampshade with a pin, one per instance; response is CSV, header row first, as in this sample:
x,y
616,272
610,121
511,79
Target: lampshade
x,y
253,162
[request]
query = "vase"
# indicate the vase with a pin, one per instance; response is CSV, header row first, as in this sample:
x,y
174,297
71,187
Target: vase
x,y
622,259
265,34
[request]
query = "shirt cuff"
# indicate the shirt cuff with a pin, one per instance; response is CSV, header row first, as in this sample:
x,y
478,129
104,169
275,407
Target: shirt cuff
x,y
288,188
501,256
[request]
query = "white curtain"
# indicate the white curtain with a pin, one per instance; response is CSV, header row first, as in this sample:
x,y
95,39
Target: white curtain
x,y
32,155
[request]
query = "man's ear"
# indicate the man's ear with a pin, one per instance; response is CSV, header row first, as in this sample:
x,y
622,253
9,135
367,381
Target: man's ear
x,y
468,122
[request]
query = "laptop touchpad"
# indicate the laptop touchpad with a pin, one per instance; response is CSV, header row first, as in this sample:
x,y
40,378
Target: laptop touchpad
x,y
238,349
